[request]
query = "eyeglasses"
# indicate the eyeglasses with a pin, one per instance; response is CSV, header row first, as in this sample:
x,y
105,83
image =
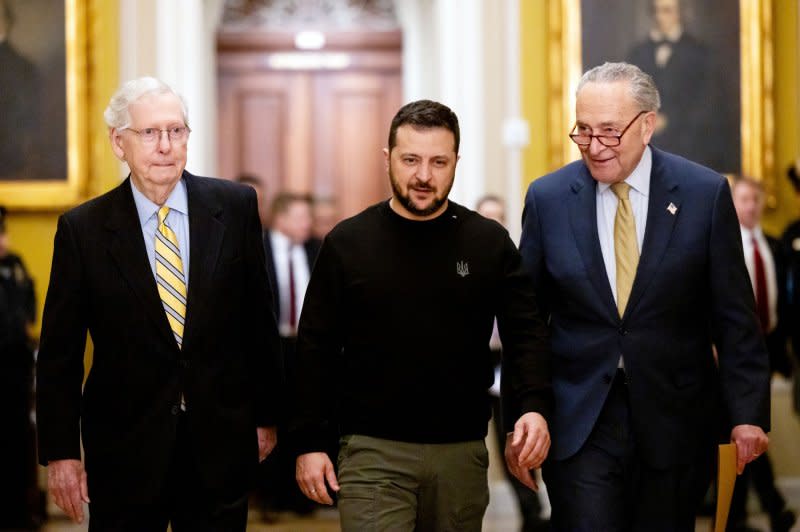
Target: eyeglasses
x,y
151,135
583,139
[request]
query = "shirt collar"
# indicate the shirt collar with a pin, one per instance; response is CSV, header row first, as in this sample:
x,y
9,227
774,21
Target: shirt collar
x,y
177,201
755,232
639,180
279,240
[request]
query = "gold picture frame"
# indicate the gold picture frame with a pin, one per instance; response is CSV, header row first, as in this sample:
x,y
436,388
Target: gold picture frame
x,y
756,128
56,194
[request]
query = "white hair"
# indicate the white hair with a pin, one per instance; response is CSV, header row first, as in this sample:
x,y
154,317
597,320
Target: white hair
x,y
642,87
116,114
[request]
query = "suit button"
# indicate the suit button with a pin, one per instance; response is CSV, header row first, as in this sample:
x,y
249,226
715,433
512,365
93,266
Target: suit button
x,y
622,331
175,410
183,363
607,378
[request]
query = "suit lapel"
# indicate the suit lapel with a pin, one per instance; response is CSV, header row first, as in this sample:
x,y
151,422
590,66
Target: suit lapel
x,y
126,247
662,211
206,230
583,219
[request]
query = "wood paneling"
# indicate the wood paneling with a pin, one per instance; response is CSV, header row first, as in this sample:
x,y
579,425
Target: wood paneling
x,y
320,131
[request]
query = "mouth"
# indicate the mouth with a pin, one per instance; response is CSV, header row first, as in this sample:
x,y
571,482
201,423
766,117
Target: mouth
x,y
602,161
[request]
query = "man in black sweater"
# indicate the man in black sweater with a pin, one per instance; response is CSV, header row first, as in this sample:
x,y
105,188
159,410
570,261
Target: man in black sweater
x,y
393,348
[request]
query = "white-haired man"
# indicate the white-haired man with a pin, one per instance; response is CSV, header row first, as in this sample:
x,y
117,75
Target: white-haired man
x,y
166,272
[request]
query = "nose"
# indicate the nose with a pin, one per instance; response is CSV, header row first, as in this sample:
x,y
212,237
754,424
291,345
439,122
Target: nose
x,y
595,146
164,144
424,173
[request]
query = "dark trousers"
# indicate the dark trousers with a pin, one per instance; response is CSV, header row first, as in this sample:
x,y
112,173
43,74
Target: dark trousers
x,y
527,499
182,503
606,486
758,473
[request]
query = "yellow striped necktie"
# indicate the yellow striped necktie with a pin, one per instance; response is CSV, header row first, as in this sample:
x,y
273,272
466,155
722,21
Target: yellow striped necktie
x,y
626,247
169,275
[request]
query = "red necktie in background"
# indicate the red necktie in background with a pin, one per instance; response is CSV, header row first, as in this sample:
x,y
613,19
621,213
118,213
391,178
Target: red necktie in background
x,y
762,298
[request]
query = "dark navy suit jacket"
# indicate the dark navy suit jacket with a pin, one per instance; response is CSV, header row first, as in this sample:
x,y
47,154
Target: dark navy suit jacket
x,y
691,291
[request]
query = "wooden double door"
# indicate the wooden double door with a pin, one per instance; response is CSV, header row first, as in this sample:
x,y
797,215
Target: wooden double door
x,y
312,130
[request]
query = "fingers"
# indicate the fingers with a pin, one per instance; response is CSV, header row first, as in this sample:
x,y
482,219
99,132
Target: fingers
x,y
526,477
312,471
751,442
66,480
535,449
330,476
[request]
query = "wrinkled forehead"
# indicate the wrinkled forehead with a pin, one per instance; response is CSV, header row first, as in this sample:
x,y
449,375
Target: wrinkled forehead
x,y
162,106
604,102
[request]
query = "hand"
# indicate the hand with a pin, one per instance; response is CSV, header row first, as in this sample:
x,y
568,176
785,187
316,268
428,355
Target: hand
x,y
267,439
750,442
66,480
313,469
527,447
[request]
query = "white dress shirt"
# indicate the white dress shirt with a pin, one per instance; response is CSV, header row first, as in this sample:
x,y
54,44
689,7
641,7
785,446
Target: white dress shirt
x,y
769,269
607,201
281,247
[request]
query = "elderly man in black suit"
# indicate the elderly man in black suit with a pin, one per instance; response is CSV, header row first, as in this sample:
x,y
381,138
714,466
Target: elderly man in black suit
x,y
166,272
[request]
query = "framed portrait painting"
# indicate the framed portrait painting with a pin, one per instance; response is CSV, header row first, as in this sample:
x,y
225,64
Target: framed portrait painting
x,y
708,59
43,144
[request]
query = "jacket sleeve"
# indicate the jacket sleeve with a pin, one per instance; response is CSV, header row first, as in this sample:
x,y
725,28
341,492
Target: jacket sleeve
x,y
743,358
265,360
59,373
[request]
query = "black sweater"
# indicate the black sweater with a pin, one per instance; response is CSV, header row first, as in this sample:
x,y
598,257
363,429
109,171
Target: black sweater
x,y
393,338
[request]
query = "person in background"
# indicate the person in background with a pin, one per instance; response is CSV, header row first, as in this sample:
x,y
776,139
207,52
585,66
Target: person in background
x,y
764,261
326,216
290,254
393,348
166,273
493,208
636,257
19,494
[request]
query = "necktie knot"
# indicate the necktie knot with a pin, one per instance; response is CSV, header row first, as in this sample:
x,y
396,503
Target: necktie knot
x,y
162,214
621,190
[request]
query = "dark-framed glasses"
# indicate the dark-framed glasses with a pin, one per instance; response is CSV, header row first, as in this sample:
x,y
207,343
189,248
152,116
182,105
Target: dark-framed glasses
x,y
151,135
584,136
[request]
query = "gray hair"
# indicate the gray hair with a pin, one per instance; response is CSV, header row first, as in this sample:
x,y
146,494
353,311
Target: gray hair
x,y
642,87
117,115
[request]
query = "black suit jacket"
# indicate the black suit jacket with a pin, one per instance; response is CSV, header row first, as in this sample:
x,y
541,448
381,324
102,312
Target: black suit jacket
x,y
127,411
691,291
311,247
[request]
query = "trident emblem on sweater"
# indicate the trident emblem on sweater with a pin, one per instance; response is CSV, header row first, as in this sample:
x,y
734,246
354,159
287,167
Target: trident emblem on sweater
x,y
462,268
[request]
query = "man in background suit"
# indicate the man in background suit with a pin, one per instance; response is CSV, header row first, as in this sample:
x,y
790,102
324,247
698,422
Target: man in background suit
x,y
634,377
291,252
166,272
765,265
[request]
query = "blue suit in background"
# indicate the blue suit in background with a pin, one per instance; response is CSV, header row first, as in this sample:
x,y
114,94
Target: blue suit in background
x,y
691,292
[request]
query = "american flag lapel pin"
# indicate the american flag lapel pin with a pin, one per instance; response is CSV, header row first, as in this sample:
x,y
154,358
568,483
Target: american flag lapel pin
x,y
672,208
